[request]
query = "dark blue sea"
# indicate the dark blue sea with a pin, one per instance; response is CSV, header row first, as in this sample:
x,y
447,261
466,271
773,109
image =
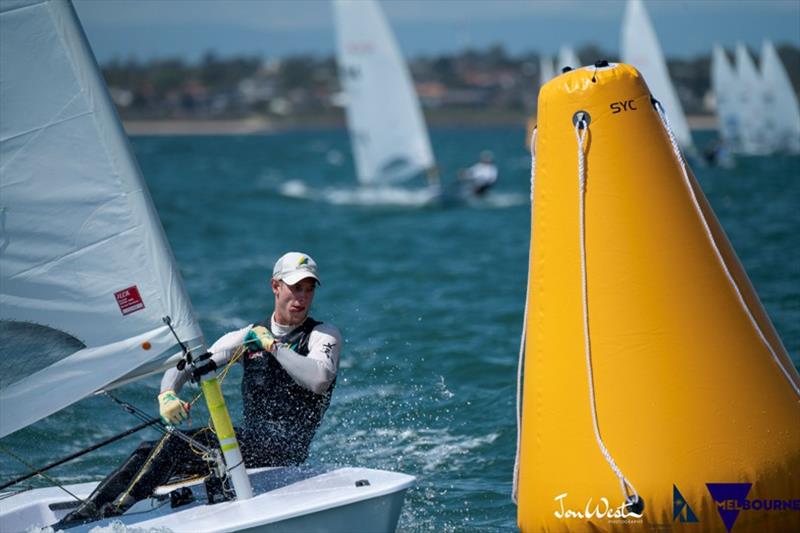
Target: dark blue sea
x,y
429,299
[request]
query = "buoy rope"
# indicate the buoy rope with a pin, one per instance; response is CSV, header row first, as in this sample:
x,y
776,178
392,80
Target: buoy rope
x,y
717,251
581,130
521,358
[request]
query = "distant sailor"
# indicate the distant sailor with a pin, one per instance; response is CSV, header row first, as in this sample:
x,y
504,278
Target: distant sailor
x,y
482,175
290,362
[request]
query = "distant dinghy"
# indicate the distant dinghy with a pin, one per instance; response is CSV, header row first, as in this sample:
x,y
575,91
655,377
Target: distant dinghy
x,y
640,48
782,111
566,58
387,129
755,139
655,389
725,90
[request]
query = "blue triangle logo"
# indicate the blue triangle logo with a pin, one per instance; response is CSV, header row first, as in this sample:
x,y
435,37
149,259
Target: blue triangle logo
x,y
730,499
680,507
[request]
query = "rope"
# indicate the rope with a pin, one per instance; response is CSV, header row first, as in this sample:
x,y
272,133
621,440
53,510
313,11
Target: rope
x,y
237,354
521,357
695,202
79,453
52,480
581,130
120,500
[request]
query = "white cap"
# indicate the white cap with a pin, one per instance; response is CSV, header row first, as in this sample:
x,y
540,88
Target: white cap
x,y
293,267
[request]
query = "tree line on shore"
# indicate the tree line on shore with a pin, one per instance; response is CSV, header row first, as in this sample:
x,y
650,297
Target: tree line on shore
x,y
306,87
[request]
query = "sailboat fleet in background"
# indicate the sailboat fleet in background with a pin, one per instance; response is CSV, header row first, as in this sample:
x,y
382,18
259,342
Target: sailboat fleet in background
x,y
757,110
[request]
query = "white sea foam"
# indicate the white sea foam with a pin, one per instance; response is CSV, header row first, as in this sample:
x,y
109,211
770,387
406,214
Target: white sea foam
x,y
366,196
395,196
118,527
113,527
295,189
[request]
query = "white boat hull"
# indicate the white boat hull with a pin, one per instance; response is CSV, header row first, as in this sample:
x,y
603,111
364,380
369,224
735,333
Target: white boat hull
x,y
285,499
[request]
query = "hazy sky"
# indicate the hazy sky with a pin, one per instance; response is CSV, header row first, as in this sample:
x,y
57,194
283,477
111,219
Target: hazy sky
x,y
275,28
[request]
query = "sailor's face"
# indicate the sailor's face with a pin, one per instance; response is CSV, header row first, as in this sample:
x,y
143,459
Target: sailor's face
x,y
292,302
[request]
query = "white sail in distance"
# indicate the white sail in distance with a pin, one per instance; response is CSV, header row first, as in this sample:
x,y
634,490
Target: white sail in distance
x,y
546,70
754,135
87,273
567,58
640,48
387,129
781,109
725,89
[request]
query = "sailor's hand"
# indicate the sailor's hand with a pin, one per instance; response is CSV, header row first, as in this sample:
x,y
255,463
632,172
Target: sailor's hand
x,y
172,409
259,338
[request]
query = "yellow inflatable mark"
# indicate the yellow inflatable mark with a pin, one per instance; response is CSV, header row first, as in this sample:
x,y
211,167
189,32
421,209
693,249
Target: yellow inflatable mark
x,y
694,396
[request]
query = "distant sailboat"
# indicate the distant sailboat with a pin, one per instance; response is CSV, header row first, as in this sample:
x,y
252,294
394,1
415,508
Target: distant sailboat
x,y
725,89
387,129
781,110
640,48
546,70
754,135
567,58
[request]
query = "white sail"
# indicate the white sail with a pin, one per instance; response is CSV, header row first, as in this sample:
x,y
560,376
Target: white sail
x,y
567,58
754,135
640,48
387,130
782,111
87,273
725,89
546,70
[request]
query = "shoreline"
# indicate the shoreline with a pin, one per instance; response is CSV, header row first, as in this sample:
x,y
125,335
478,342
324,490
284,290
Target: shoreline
x,y
256,125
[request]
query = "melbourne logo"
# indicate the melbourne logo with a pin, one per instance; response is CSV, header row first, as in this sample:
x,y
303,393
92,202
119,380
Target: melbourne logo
x,y
680,508
731,499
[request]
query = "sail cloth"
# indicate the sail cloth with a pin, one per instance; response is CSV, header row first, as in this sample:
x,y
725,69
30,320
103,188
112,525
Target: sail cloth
x,y
567,58
640,48
387,130
691,382
84,257
726,90
546,70
752,108
782,112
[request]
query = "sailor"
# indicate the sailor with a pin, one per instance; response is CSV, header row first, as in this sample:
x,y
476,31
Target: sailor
x,y
290,362
482,175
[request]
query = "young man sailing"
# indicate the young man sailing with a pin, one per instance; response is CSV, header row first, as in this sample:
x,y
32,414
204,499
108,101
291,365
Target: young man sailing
x,y
290,362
